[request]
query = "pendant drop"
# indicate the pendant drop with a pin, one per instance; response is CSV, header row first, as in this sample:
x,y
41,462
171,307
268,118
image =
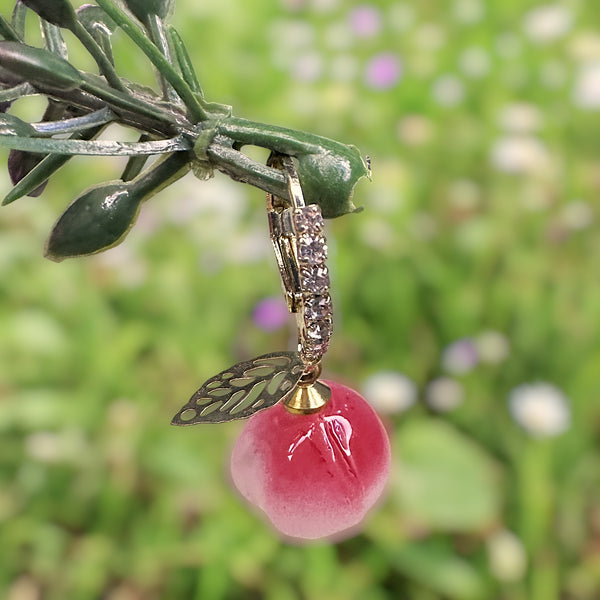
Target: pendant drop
x,y
314,455
314,475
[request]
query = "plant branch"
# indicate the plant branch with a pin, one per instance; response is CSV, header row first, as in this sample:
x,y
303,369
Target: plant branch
x,y
192,103
104,65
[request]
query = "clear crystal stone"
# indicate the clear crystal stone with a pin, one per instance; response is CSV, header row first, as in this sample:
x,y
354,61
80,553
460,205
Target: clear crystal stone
x,y
308,219
312,250
318,307
315,279
319,330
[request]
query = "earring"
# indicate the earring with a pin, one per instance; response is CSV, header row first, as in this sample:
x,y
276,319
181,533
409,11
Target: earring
x,y
319,458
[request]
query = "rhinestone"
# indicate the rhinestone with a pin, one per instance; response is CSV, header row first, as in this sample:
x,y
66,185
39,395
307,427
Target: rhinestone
x,y
308,219
315,279
318,307
312,250
319,330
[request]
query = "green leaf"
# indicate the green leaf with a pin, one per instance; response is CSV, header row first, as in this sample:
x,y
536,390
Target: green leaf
x,y
7,31
40,173
48,127
183,60
103,215
12,127
39,67
444,480
57,12
53,40
92,148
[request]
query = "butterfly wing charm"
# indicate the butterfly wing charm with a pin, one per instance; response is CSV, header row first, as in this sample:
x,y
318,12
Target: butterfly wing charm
x,y
243,389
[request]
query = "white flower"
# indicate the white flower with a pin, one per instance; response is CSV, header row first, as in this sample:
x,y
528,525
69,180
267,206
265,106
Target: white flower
x,y
547,23
507,556
308,67
390,392
520,117
474,62
444,394
492,346
53,447
586,93
448,90
540,408
468,11
519,154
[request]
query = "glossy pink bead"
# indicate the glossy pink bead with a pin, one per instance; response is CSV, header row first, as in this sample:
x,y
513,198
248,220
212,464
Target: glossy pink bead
x,y
314,475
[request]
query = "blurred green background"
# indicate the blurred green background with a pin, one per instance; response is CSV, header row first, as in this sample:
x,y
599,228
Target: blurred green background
x,y
467,311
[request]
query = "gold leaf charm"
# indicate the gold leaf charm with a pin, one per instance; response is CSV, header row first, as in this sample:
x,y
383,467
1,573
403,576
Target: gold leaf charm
x,y
243,389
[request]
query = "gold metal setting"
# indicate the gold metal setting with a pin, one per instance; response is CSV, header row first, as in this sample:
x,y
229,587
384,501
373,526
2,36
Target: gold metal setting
x,y
300,250
309,399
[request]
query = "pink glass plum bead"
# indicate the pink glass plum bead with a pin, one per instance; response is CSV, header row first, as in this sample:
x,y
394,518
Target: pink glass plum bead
x,y
314,475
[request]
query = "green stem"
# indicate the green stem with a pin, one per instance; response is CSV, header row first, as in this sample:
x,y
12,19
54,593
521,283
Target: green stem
x,y
161,174
135,164
121,100
242,168
104,65
158,60
156,29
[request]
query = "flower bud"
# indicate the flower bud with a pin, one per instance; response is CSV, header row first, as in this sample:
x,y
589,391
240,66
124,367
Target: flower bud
x,y
95,221
142,9
57,12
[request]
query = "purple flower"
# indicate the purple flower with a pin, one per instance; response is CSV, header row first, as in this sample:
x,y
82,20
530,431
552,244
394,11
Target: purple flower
x,y
365,21
383,71
270,314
